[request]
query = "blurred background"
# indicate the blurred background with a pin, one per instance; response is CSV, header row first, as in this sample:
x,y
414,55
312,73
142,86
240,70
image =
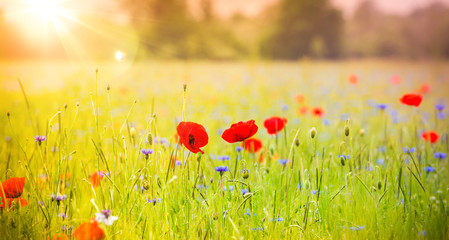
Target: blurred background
x,y
223,29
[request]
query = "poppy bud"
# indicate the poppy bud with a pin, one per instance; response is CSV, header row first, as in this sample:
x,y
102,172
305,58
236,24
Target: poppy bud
x,y
271,150
362,132
379,185
132,132
185,87
8,114
77,104
211,180
342,160
297,142
307,184
150,139
245,173
146,184
65,106
313,132
108,87
215,216
346,130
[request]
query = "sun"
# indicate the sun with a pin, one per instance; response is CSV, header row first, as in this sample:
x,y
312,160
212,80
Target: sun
x,y
45,9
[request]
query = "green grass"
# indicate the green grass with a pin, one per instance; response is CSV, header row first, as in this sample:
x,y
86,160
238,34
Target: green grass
x,y
89,128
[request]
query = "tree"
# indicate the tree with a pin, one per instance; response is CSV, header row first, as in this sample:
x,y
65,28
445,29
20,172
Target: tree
x,y
305,28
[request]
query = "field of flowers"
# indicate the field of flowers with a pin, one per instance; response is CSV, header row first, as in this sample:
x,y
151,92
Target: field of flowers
x,y
201,150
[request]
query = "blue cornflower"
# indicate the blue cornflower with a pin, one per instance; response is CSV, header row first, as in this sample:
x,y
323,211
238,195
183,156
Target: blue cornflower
x,y
381,106
178,162
223,158
440,107
380,161
40,139
283,161
67,227
244,191
222,169
441,115
154,200
248,213
429,169
315,192
381,149
278,219
406,150
146,152
345,157
357,228
284,107
326,122
299,185
238,149
440,155
58,198
61,215
423,233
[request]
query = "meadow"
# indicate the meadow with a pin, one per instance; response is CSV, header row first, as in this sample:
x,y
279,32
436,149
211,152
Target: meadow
x,y
351,161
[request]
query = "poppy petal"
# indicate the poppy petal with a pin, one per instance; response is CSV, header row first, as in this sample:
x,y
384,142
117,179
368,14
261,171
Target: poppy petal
x,y
13,187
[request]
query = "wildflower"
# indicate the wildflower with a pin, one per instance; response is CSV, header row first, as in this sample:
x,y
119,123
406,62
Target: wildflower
x,y
326,122
154,200
61,215
440,107
441,115
192,136
303,110
274,124
424,88
230,188
283,161
381,149
395,79
245,191
353,79
105,217
248,213
96,177
245,173
278,219
222,169
314,192
238,149
223,158
440,155
317,112
58,198
357,228
146,152
382,106
313,132
58,236
407,150
284,107
380,161
89,230
430,136
240,131
346,157
40,139
178,162
429,169
411,99
423,233
300,98
252,145
10,192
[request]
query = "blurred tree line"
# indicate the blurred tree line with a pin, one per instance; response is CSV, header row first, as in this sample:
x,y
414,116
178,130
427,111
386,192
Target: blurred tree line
x,y
289,30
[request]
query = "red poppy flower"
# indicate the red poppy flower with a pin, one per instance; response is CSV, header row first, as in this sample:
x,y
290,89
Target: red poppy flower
x,y
96,177
12,187
411,99
192,136
12,202
353,79
318,112
58,236
300,98
425,88
89,230
252,145
274,124
240,131
395,79
303,110
430,136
